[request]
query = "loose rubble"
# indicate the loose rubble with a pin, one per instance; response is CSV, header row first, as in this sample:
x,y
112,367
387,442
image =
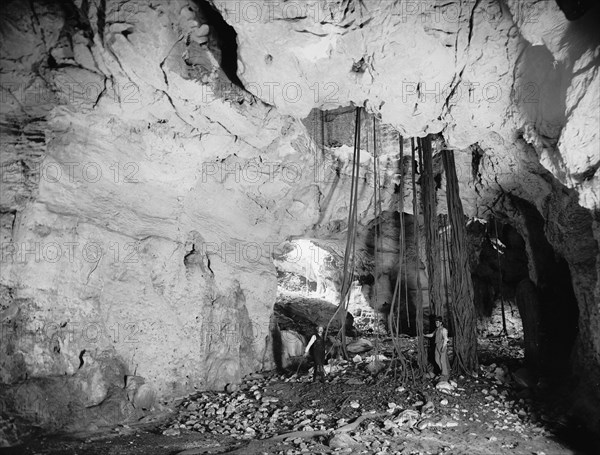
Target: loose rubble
x,y
261,408
358,410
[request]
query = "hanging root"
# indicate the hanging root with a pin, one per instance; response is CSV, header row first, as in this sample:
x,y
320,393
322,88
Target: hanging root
x,y
421,357
349,256
394,327
463,310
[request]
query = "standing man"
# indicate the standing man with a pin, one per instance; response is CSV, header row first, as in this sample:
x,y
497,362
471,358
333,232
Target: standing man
x,y
441,347
318,353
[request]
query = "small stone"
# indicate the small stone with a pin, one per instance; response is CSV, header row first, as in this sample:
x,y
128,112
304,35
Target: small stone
x,y
192,406
375,366
354,404
423,424
172,432
444,402
428,407
408,417
230,388
388,424
444,386
342,441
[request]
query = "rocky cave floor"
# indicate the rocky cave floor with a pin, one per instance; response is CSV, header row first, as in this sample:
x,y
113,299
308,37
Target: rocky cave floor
x,y
495,413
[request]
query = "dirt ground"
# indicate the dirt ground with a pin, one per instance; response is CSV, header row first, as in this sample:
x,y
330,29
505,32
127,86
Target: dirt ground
x,y
491,414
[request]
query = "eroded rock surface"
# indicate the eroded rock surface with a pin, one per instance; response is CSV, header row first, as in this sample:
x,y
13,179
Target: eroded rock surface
x,y
145,192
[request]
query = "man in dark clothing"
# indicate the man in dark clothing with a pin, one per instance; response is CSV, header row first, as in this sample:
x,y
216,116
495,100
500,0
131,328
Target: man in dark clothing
x,y
317,342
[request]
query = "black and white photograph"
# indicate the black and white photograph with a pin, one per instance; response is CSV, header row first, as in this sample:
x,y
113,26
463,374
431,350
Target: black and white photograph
x,y
300,227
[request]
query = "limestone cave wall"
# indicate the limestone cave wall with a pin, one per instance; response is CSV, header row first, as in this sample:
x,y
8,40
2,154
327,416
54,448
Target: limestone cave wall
x,y
156,155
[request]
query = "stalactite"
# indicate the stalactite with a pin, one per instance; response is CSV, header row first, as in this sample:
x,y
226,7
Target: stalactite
x,y
463,310
430,226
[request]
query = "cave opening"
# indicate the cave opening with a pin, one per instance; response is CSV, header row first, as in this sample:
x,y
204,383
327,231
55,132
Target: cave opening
x,y
308,296
499,264
310,269
557,314
225,40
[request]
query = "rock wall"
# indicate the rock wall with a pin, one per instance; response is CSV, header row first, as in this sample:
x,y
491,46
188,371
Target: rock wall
x,y
462,68
518,79
140,211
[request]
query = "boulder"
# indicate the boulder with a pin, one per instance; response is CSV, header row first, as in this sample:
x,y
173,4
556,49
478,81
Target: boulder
x,y
292,346
141,395
303,315
94,394
132,384
9,433
524,377
408,417
342,441
144,398
375,366
358,346
444,386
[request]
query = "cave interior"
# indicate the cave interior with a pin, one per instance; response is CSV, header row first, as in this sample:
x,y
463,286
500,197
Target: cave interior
x,y
190,187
